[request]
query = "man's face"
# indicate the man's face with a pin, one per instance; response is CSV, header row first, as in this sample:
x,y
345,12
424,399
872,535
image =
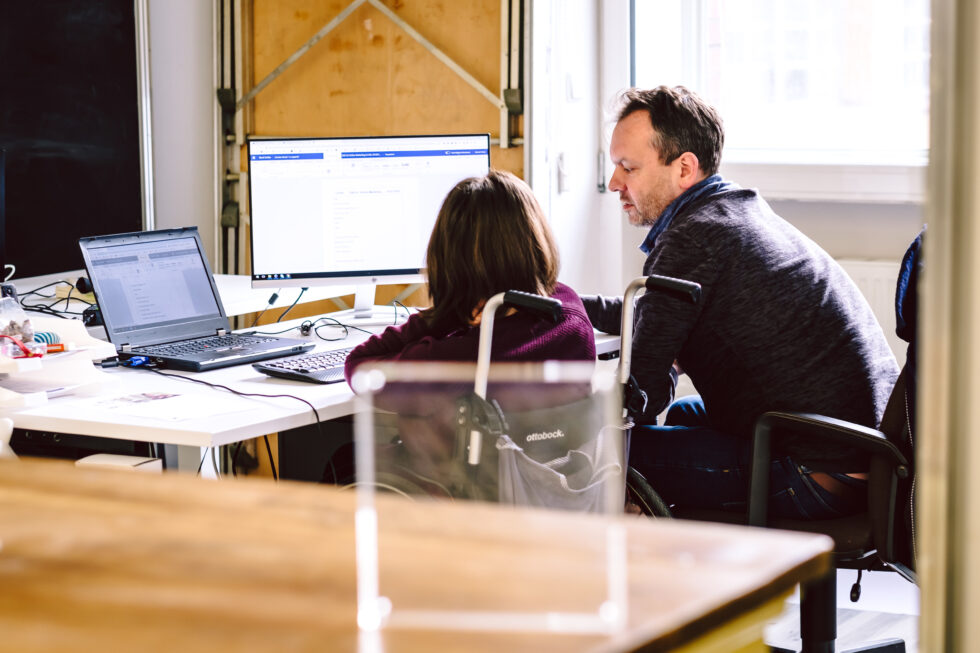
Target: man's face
x,y
645,185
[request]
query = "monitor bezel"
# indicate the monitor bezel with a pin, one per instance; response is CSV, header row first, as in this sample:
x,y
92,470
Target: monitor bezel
x,y
361,278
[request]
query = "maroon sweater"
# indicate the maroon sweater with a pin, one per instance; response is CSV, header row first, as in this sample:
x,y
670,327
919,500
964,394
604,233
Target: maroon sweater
x,y
522,336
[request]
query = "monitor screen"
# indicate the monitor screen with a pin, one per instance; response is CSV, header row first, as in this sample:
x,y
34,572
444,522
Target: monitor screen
x,y
351,210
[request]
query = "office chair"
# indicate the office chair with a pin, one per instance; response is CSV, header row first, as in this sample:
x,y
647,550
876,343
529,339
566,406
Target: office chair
x,y
883,538
879,539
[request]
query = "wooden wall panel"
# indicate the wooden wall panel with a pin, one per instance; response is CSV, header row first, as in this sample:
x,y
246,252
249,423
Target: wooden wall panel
x,y
368,77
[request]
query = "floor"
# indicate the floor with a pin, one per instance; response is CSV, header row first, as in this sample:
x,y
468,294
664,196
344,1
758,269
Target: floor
x,y
888,608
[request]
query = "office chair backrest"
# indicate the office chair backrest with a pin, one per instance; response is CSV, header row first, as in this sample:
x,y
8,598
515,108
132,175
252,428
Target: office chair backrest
x,y
898,424
886,490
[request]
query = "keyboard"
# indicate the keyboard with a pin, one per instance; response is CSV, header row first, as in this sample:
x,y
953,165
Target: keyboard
x,y
197,345
318,367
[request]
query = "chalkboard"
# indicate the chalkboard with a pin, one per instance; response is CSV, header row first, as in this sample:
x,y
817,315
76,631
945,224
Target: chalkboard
x,y
69,121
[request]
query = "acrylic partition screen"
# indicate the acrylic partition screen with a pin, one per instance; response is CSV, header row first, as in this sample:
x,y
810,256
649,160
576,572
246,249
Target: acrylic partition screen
x,y
547,437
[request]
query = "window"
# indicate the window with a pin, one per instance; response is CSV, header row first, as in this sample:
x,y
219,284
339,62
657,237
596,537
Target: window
x,y
827,88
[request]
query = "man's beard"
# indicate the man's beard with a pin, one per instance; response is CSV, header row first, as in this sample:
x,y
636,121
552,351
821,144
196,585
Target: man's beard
x,y
647,216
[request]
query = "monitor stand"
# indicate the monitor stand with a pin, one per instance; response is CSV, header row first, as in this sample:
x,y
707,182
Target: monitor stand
x,y
367,313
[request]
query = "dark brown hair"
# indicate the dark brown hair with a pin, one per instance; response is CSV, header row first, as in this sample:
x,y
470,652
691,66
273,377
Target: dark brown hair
x,y
490,236
683,122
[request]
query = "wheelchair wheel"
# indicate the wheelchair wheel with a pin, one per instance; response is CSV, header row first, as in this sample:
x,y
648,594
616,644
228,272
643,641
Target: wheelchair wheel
x,y
641,493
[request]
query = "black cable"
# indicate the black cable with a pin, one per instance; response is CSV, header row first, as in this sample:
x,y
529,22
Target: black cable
x,y
268,450
49,309
214,463
44,310
316,414
345,326
47,285
234,458
272,300
203,458
315,326
329,322
396,303
296,301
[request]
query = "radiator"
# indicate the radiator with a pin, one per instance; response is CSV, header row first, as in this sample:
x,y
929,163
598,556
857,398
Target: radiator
x,y
876,280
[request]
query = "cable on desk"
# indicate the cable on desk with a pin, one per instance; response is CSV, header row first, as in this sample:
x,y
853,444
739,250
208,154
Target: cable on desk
x,y
49,309
333,322
325,321
321,322
395,303
272,300
201,465
218,386
295,301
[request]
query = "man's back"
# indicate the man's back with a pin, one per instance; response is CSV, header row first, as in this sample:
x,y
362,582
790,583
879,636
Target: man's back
x,y
780,325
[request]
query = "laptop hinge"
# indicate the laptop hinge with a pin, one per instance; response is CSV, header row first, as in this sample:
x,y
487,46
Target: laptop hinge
x,y
125,347
222,332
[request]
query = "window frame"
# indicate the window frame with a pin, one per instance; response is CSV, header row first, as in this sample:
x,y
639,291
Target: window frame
x,y
901,182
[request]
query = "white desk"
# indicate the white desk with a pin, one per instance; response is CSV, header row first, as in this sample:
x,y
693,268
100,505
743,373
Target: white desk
x,y
213,417
209,417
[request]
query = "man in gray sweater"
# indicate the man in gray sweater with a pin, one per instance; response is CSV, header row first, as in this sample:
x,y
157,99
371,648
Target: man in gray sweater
x,y
780,326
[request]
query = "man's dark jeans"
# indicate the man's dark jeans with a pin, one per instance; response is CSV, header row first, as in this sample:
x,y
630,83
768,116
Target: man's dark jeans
x,y
695,466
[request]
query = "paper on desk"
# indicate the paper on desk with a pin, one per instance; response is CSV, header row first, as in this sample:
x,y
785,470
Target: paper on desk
x,y
51,376
166,406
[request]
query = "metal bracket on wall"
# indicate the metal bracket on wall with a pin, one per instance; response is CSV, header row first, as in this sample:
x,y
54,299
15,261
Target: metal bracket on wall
x,y
397,20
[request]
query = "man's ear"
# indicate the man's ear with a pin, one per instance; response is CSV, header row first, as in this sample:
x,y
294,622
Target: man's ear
x,y
689,170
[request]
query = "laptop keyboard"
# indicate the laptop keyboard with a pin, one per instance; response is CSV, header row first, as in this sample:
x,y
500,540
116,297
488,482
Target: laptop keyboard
x,y
318,367
199,345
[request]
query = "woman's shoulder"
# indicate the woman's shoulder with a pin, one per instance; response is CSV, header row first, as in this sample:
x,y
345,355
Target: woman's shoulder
x,y
570,301
565,292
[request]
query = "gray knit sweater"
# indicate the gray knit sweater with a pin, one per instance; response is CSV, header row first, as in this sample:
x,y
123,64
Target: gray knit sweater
x,y
780,325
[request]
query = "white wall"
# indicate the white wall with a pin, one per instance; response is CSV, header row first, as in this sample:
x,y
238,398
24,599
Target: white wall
x,y
564,142
184,117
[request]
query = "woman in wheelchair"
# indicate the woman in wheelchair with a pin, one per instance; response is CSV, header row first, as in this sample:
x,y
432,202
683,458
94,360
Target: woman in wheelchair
x,y
490,236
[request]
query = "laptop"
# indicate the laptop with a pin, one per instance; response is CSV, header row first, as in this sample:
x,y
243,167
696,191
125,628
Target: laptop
x,y
158,299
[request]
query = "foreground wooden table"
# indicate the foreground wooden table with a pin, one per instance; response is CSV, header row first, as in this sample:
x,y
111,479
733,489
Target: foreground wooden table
x,y
100,560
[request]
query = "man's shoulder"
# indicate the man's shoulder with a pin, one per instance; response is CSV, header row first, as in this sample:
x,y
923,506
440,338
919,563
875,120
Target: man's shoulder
x,y
710,219
726,205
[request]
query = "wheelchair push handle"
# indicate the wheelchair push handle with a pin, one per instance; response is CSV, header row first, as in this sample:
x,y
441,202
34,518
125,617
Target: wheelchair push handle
x,y
549,307
681,288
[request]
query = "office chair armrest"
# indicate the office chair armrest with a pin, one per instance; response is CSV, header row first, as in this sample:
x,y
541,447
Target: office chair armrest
x,y
831,429
772,424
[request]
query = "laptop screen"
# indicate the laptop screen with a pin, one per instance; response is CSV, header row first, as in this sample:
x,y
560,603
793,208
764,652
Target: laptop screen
x,y
153,287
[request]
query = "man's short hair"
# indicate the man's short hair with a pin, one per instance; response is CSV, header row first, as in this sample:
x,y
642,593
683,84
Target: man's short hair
x,y
683,122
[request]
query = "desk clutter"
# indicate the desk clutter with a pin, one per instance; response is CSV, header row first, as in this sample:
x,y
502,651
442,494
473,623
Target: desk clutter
x,y
18,338
40,356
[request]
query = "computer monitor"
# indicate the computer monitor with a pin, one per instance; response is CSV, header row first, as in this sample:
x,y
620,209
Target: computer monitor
x,y
352,211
